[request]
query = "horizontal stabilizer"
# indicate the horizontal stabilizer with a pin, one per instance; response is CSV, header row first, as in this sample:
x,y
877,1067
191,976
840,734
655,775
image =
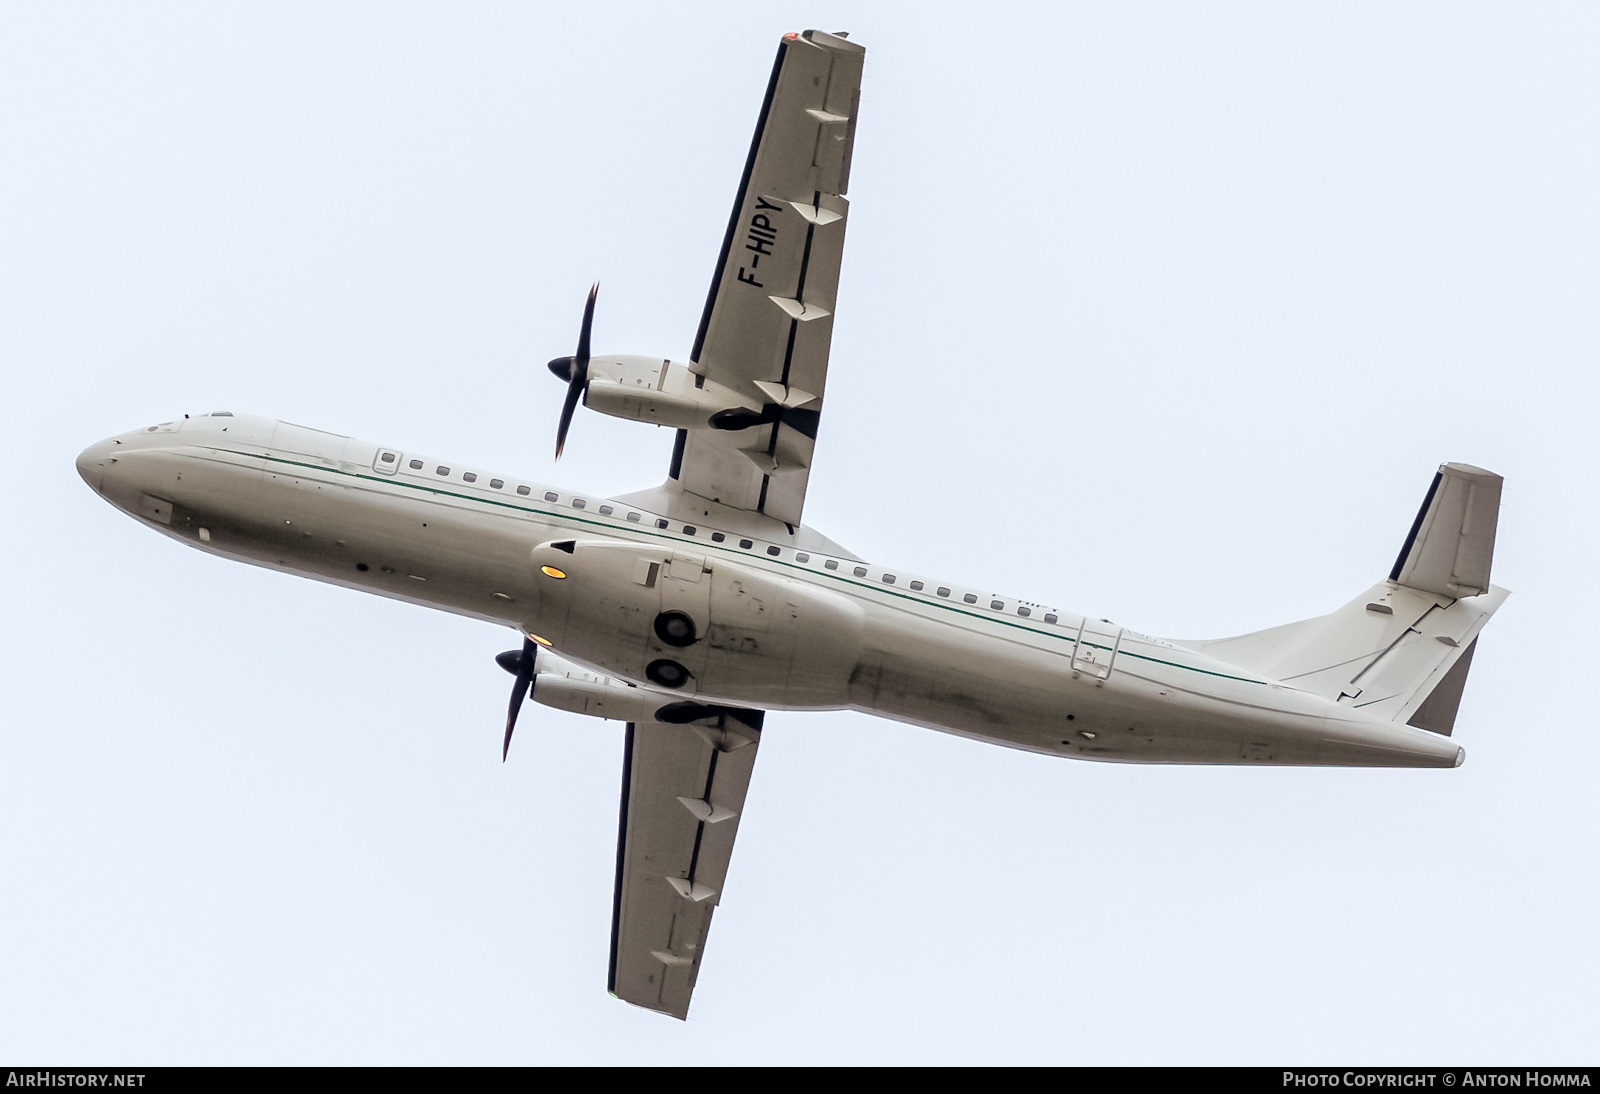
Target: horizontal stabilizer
x,y
1451,544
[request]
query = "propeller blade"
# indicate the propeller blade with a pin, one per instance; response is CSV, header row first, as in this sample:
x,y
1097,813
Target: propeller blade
x,y
519,690
578,376
588,323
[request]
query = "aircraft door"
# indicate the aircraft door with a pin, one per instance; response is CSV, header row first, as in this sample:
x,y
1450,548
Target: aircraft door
x,y
1096,648
386,462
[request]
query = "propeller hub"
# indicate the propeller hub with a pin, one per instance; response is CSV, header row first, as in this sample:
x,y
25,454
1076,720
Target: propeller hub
x,y
561,368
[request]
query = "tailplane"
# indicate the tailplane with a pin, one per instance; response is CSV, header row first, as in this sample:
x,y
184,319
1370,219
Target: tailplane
x,y
1400,651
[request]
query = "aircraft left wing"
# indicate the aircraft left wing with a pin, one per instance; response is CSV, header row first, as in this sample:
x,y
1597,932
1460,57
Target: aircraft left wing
x,y
683,788
768,320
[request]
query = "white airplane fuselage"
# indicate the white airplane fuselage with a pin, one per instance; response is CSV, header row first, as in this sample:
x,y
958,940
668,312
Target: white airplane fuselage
x,y
780,627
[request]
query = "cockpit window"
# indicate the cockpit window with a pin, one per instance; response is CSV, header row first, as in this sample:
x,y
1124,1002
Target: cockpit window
x,y
222,413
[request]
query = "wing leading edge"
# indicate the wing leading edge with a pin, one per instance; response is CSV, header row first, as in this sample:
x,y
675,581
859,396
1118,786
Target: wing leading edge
x,y
683,788
768,320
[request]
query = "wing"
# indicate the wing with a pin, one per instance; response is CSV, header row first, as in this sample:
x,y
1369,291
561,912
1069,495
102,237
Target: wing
x,y
768,320
683,787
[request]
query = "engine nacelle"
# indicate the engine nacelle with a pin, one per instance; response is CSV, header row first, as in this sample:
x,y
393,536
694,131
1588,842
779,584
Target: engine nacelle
x,y
661,392
697,626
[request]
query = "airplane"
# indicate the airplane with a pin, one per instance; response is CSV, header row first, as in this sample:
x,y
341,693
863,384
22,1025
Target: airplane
x,y
689,610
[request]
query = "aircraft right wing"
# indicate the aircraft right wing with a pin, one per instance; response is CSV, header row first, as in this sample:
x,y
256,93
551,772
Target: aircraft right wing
x,y
683,788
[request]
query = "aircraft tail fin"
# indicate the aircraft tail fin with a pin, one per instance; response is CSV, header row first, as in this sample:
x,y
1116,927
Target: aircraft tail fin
x,y
1400,651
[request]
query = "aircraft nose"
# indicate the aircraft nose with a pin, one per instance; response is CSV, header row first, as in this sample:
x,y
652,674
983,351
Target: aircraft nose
x,y
92,463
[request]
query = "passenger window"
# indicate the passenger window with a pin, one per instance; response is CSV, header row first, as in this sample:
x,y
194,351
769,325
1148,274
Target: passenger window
x,y
943,591
888,579
469,477
996,605
661,524
746,544
634,517
415,465
970,599
387,457
688,529
802,558
551,495
524,491
441,470
578,503
717,537
773,551
831,564
495,484
860,571
1024,612
1049,618
605,510
916,586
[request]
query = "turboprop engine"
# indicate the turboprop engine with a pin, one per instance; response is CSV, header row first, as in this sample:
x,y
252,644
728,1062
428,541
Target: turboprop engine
x,y
554,681
654,390
664,392
697,626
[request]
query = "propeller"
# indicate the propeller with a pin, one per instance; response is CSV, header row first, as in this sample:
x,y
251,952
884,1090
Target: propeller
x,y
519,663
575,371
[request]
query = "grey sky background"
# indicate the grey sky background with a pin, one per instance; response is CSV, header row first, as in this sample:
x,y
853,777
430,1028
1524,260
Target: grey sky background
x,y
1164,313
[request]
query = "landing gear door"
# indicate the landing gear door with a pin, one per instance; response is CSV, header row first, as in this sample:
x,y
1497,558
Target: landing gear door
x,y
386,462
1096,648
686,587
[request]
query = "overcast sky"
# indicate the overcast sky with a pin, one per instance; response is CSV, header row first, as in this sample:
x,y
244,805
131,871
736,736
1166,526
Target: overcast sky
x,y
1162,313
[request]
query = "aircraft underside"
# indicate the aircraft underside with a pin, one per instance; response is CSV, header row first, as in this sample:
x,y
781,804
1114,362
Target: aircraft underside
x,y
688,610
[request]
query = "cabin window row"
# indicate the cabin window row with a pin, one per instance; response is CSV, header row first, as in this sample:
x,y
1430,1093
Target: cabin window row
x,y
745,544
